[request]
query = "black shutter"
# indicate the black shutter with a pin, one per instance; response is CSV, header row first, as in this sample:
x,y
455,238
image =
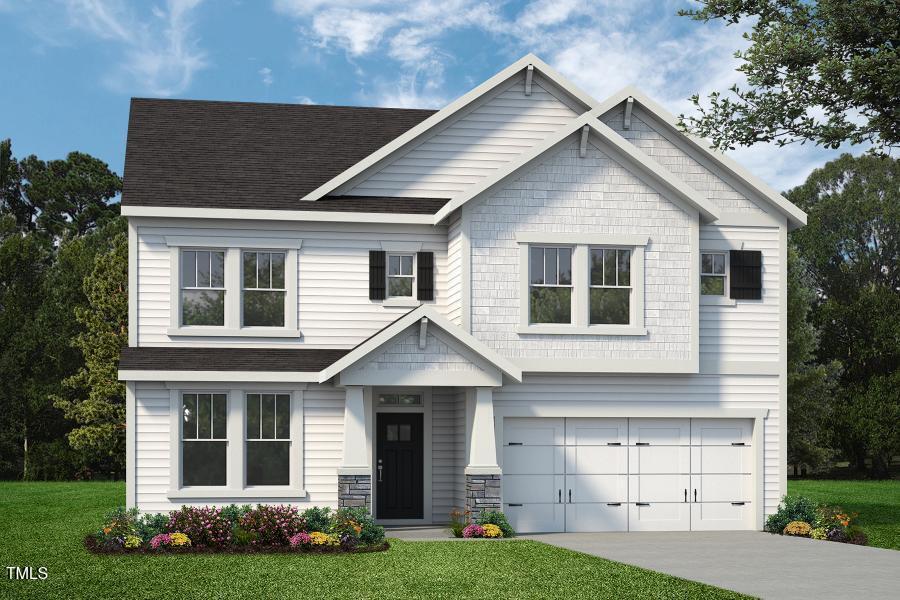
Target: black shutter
x,y
746,274
376,275
425,276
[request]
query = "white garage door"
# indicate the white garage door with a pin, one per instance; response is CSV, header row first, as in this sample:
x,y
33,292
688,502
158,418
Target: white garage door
x,y
598,474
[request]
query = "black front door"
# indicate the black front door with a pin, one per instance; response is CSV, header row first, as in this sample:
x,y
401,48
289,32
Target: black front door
x,y
399,468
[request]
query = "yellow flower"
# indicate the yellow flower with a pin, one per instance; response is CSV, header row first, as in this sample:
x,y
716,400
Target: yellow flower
x,y
132,541
798,528
106,530
179,539
317,538
492,531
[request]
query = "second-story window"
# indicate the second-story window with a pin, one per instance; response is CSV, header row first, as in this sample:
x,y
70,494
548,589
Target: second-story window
x,y
712,273
400,275
264,292
550,285
203,287
610,293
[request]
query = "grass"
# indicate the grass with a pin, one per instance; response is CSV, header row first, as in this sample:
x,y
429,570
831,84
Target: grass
x,y
42,524
877,502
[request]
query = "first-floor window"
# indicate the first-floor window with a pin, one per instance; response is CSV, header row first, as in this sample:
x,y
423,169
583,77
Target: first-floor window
x,y
268,439
712,273
204,447
550,285
610,293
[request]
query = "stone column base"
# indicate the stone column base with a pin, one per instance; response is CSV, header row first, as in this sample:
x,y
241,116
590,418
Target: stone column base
x,y
482,493
355,491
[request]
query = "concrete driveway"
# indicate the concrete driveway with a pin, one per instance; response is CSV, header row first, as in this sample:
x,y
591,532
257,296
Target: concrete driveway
x,y
750,562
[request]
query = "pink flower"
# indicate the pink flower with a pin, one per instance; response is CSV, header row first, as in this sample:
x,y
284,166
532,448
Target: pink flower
x,y
301,539
473,531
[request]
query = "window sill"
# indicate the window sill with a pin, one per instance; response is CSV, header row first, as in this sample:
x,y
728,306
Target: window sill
x,y
716,301
577,330
400,303
226,493
258,332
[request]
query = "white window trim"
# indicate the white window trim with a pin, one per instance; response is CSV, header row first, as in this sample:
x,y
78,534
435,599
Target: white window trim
x,y
233,246
725,299
401,301
527,298
235,486
580,245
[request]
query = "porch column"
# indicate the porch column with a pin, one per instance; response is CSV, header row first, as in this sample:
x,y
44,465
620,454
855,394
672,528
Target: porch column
x,y
355,472
483,475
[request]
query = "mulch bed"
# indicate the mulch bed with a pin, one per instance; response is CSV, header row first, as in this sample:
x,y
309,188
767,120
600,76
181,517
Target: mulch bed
x,y
94,547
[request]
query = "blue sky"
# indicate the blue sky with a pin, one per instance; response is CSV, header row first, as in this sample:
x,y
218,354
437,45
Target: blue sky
x,y
70,66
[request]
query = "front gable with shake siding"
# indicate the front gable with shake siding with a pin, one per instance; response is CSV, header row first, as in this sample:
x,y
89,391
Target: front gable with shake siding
x,y
530,301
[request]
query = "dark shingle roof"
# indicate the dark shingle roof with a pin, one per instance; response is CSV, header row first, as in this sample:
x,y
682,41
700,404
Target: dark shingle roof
x,y
303,360
202,154
379,204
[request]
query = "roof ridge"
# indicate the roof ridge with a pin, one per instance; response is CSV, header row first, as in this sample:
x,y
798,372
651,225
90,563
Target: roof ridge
x,y
293,104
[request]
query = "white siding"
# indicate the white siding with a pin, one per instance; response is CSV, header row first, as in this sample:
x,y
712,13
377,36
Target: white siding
x,y
333,299
719,391
591,195
659,147
473,145
454,267
448,446
404,353
747,331
323,419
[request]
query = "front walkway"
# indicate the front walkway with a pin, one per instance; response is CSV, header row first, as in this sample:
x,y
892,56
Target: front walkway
x,y
750,562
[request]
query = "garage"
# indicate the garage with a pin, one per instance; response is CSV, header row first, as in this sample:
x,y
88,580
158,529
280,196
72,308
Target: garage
x,y
620,474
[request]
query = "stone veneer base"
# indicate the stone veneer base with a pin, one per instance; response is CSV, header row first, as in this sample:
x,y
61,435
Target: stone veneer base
x,y
355,491
483,493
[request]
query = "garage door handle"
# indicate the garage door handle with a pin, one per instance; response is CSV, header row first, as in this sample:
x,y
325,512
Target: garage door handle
x,y
738,503
570,496
613,443
738,444
642,443
560,496
511,505
514,444
695,494
614,504
642,504
685,494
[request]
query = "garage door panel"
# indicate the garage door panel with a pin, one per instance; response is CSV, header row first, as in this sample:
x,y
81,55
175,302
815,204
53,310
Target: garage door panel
x,y
534,431
723,487
722,459
669,432
597,488
597,460
722,516
659,459
721,432
527,489
659,516
529,460
597,517
596,432
658,488
536,518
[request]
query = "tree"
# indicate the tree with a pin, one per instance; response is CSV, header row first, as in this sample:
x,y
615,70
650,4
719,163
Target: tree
x,y
826,72
851,246
94,398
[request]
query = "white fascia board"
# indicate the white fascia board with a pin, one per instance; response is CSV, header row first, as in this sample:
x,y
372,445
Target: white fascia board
x,y
219,376
320,216
410,318
608,138
448,111
796,217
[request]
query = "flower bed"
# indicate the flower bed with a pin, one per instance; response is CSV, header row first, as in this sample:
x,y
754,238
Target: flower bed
x,y
489,525
800,517
238,529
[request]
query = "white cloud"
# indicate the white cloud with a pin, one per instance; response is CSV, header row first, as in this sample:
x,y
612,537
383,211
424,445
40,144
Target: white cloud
x,y
303,100
159,53
266,74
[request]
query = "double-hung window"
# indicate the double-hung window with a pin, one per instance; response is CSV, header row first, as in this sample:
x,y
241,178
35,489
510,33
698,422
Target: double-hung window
x,y
202,287
268,439
400,275
610,286
204,439
263,290
550,284
712,273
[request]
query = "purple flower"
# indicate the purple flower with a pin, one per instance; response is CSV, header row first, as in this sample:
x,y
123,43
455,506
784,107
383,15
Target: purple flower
x,y
301,539
473,531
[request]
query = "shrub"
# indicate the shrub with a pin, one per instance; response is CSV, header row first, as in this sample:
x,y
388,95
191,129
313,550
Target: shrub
x,y
317,519
357,524
473,531
301,539
495,517
242,537
837,535
233,513
798,528
133,541
204,526
819,533
792,508
855,535
273,525
458,521
150,525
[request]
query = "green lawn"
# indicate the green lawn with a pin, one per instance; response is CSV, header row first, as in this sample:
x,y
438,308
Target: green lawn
x,y
42,524
877,502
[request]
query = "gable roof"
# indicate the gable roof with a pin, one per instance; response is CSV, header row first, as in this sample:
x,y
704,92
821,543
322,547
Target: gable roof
x,y
389,332
795,216
244,155
622,149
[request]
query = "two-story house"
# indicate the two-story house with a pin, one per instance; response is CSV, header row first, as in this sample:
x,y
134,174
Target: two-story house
x,y
529,300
